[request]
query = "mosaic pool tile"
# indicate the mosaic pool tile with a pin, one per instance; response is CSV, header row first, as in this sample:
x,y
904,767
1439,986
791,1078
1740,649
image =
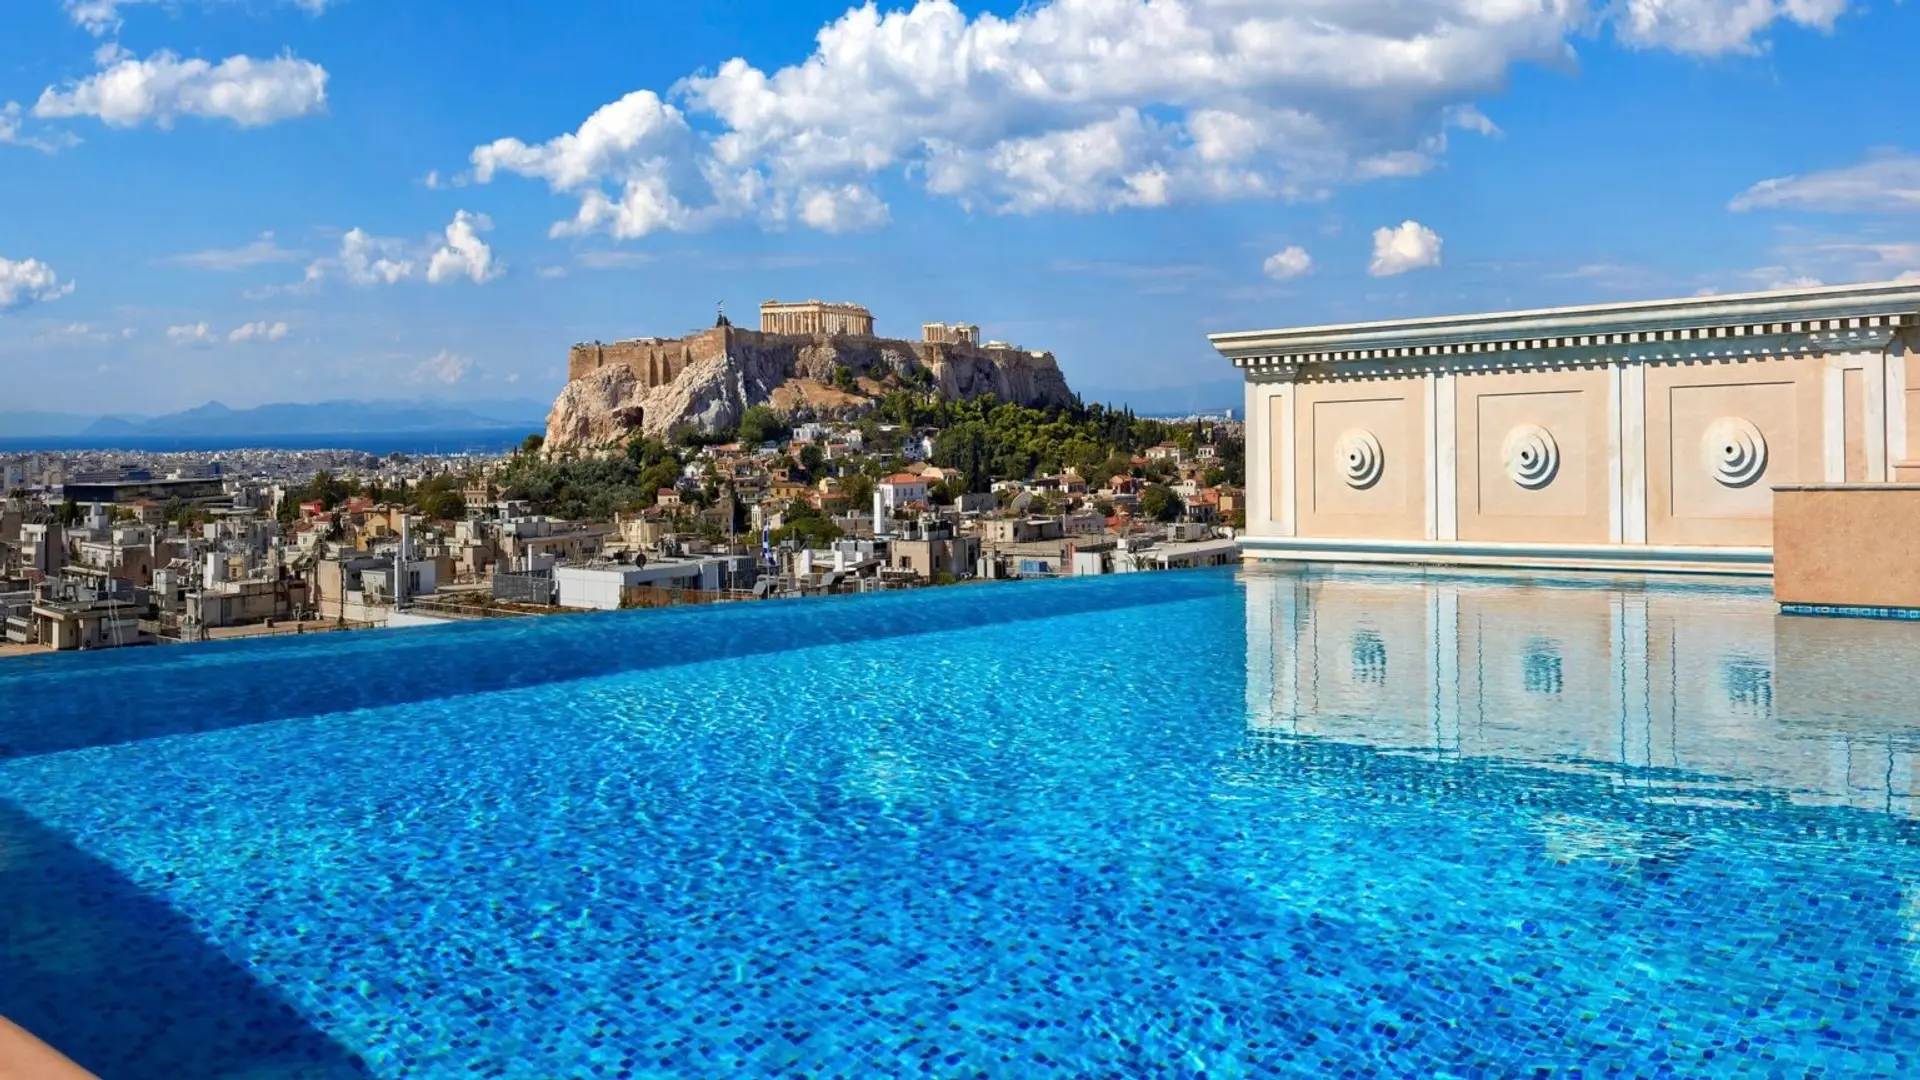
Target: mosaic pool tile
x,y
1208,824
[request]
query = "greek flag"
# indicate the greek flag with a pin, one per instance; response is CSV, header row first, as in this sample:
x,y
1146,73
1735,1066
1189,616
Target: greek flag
x,y
766,548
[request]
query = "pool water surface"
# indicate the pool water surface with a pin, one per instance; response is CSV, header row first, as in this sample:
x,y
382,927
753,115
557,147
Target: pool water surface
x,y
1221,824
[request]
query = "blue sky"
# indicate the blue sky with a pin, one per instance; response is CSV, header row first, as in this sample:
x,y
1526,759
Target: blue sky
x,y
274,200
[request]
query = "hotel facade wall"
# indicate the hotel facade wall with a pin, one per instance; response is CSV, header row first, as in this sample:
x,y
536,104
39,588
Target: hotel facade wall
x,y
1623,455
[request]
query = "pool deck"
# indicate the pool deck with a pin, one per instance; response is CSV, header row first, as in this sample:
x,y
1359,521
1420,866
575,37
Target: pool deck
x,y
23,1057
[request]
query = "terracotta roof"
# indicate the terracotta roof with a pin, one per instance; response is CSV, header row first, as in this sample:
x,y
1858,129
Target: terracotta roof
x,y
903,478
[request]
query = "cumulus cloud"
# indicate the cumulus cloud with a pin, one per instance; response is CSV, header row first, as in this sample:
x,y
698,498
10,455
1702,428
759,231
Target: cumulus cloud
x,y
128,92
367,260
1714,27
257,331
192,334
1288,263
1082,105
1884,183
29,281
464,254
446,367
1412,246
103,17
846,208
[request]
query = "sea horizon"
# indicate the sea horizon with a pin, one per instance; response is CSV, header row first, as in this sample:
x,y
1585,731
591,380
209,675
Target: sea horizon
x,y
477,441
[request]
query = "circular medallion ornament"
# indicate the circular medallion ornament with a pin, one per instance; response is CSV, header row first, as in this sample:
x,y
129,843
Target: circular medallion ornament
x,y
1531,456
1360,458
1734,451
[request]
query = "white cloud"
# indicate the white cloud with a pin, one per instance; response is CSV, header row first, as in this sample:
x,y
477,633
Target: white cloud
x,y
370,260
128,92
847,208
1714,27
1288,263
551,272
1801,282
1885,182
1412,246
446,367
258,331
29,281
12,133
612,260
464,255
1083,105
258,253
191,334
366,260
103,17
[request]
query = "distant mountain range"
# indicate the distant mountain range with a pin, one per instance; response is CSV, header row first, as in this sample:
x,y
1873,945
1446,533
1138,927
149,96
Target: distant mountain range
x,y
317,418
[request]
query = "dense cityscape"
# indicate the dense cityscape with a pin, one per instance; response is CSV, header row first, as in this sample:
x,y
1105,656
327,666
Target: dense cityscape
x,y
103,549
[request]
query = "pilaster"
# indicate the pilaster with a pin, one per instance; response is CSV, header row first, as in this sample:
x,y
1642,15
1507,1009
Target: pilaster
x,y
1445,455
1833,420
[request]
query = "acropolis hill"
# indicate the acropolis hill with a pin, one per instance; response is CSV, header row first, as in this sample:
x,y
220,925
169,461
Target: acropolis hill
x,y
708,379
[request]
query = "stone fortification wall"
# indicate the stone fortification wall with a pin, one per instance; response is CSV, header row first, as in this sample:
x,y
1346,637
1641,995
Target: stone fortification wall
x,y
708,379
654,361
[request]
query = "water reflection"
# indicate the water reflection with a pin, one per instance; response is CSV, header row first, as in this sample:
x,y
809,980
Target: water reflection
x,y
1691,690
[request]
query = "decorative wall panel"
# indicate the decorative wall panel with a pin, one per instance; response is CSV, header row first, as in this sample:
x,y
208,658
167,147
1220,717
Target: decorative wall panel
x,y
1720,437
1361,459
1560,415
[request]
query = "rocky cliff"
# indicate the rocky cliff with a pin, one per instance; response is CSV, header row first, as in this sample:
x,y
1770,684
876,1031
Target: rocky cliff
x,y
709,379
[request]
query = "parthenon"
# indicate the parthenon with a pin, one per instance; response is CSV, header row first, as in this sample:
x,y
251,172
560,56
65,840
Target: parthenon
x,y
815,317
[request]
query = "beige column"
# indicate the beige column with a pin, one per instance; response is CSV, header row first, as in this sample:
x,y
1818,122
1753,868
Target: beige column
x,y
1270,454
1896,407
1443,454
1833,423
1879,461
1627,453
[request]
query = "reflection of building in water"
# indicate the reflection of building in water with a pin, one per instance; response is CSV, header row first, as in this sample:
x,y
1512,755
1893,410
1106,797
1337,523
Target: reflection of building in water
x,y
1698,679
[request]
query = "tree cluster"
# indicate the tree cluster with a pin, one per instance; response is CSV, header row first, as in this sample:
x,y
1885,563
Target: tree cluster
x,y
593,488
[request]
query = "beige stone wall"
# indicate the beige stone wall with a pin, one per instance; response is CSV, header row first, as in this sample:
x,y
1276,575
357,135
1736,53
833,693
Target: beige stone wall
x,y
1630,461
1496,411
1784,399
1377,418
1847,546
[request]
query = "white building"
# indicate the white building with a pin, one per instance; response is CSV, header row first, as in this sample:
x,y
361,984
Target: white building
x,y
900,489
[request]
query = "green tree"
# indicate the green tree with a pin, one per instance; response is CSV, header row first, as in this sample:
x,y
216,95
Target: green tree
x,y
1159,502
760,424
968,447
843,378
812,458
532,443
858,489
1214,476
440,498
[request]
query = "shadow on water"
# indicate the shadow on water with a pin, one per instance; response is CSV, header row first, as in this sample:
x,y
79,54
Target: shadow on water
x,y
66,702
121,983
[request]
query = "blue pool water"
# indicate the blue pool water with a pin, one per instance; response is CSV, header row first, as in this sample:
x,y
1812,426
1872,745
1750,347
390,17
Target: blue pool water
x,y
1204,824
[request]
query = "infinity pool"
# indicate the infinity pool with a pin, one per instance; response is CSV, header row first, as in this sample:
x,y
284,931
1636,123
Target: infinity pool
x,y
1199,824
